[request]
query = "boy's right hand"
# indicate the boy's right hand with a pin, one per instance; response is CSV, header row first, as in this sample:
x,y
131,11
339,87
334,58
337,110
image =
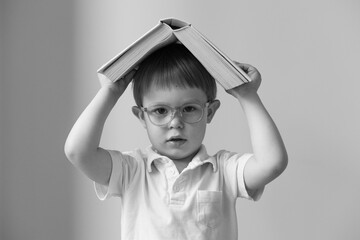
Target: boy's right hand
x,y
118,87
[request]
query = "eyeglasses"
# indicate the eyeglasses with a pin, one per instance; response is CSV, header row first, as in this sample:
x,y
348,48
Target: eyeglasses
x,y
161,115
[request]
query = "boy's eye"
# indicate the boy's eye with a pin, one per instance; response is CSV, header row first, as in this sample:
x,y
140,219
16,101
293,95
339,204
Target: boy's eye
x,y
160,111
190,109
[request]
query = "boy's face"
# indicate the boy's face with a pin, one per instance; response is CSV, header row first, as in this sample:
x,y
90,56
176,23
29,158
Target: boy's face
x,y
177,139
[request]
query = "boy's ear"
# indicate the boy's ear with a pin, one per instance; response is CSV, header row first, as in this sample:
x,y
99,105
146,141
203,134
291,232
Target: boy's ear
x,y
139,114
213,107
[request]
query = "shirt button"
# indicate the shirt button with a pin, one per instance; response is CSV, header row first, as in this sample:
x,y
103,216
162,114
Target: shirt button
x,y
171,172
181,179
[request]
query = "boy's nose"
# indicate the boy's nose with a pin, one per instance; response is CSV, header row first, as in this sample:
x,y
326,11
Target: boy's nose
x,y
176,121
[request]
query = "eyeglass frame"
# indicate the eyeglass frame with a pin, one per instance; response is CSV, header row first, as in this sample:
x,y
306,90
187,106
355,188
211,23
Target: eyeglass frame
x,y
175,110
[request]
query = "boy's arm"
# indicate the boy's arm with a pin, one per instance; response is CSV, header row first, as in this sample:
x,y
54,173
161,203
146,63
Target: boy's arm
x,y
82,145
270,156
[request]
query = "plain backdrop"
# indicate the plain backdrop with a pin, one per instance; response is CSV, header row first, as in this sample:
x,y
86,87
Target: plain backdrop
x,y
307,51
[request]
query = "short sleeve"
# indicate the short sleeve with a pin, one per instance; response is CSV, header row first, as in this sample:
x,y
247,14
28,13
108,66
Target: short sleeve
x,y
233,167
124,167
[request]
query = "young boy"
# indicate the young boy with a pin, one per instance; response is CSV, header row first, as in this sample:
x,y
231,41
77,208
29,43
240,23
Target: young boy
x,y
174,189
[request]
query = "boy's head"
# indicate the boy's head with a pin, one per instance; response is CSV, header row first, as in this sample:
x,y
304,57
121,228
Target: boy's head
x,y
175,99
172,65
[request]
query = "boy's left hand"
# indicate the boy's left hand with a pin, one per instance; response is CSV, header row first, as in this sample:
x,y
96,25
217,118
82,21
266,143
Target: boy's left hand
x,y
250,87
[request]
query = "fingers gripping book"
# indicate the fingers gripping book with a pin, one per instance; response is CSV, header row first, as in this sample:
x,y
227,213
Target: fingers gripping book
x,y
171,30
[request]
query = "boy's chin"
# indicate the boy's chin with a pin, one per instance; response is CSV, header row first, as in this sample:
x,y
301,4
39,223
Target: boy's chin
x,y
180,155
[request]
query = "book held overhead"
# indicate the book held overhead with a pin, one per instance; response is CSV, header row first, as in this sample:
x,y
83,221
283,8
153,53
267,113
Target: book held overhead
x,y
171,30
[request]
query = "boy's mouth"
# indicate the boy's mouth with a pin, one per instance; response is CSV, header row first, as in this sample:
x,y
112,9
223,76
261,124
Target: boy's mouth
x,y
176,140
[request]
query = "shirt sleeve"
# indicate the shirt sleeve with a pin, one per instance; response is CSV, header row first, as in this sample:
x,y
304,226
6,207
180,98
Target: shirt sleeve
x,y
124,167
233,167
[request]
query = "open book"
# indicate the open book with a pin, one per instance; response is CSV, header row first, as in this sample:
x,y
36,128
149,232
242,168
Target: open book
x,y
167,31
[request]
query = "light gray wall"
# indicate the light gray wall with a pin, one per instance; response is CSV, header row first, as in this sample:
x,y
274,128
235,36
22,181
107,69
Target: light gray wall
x,y
307,51
36,92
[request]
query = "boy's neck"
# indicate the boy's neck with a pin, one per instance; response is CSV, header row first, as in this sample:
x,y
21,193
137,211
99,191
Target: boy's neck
x,y
181,164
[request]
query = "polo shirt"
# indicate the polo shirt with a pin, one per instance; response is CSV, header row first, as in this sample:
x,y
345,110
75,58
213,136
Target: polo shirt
x,y
158,202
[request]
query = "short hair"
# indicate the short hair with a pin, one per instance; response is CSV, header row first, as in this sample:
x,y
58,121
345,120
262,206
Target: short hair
x,y
172,65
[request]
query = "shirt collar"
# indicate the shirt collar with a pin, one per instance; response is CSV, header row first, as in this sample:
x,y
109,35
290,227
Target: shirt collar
x,y
199,159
